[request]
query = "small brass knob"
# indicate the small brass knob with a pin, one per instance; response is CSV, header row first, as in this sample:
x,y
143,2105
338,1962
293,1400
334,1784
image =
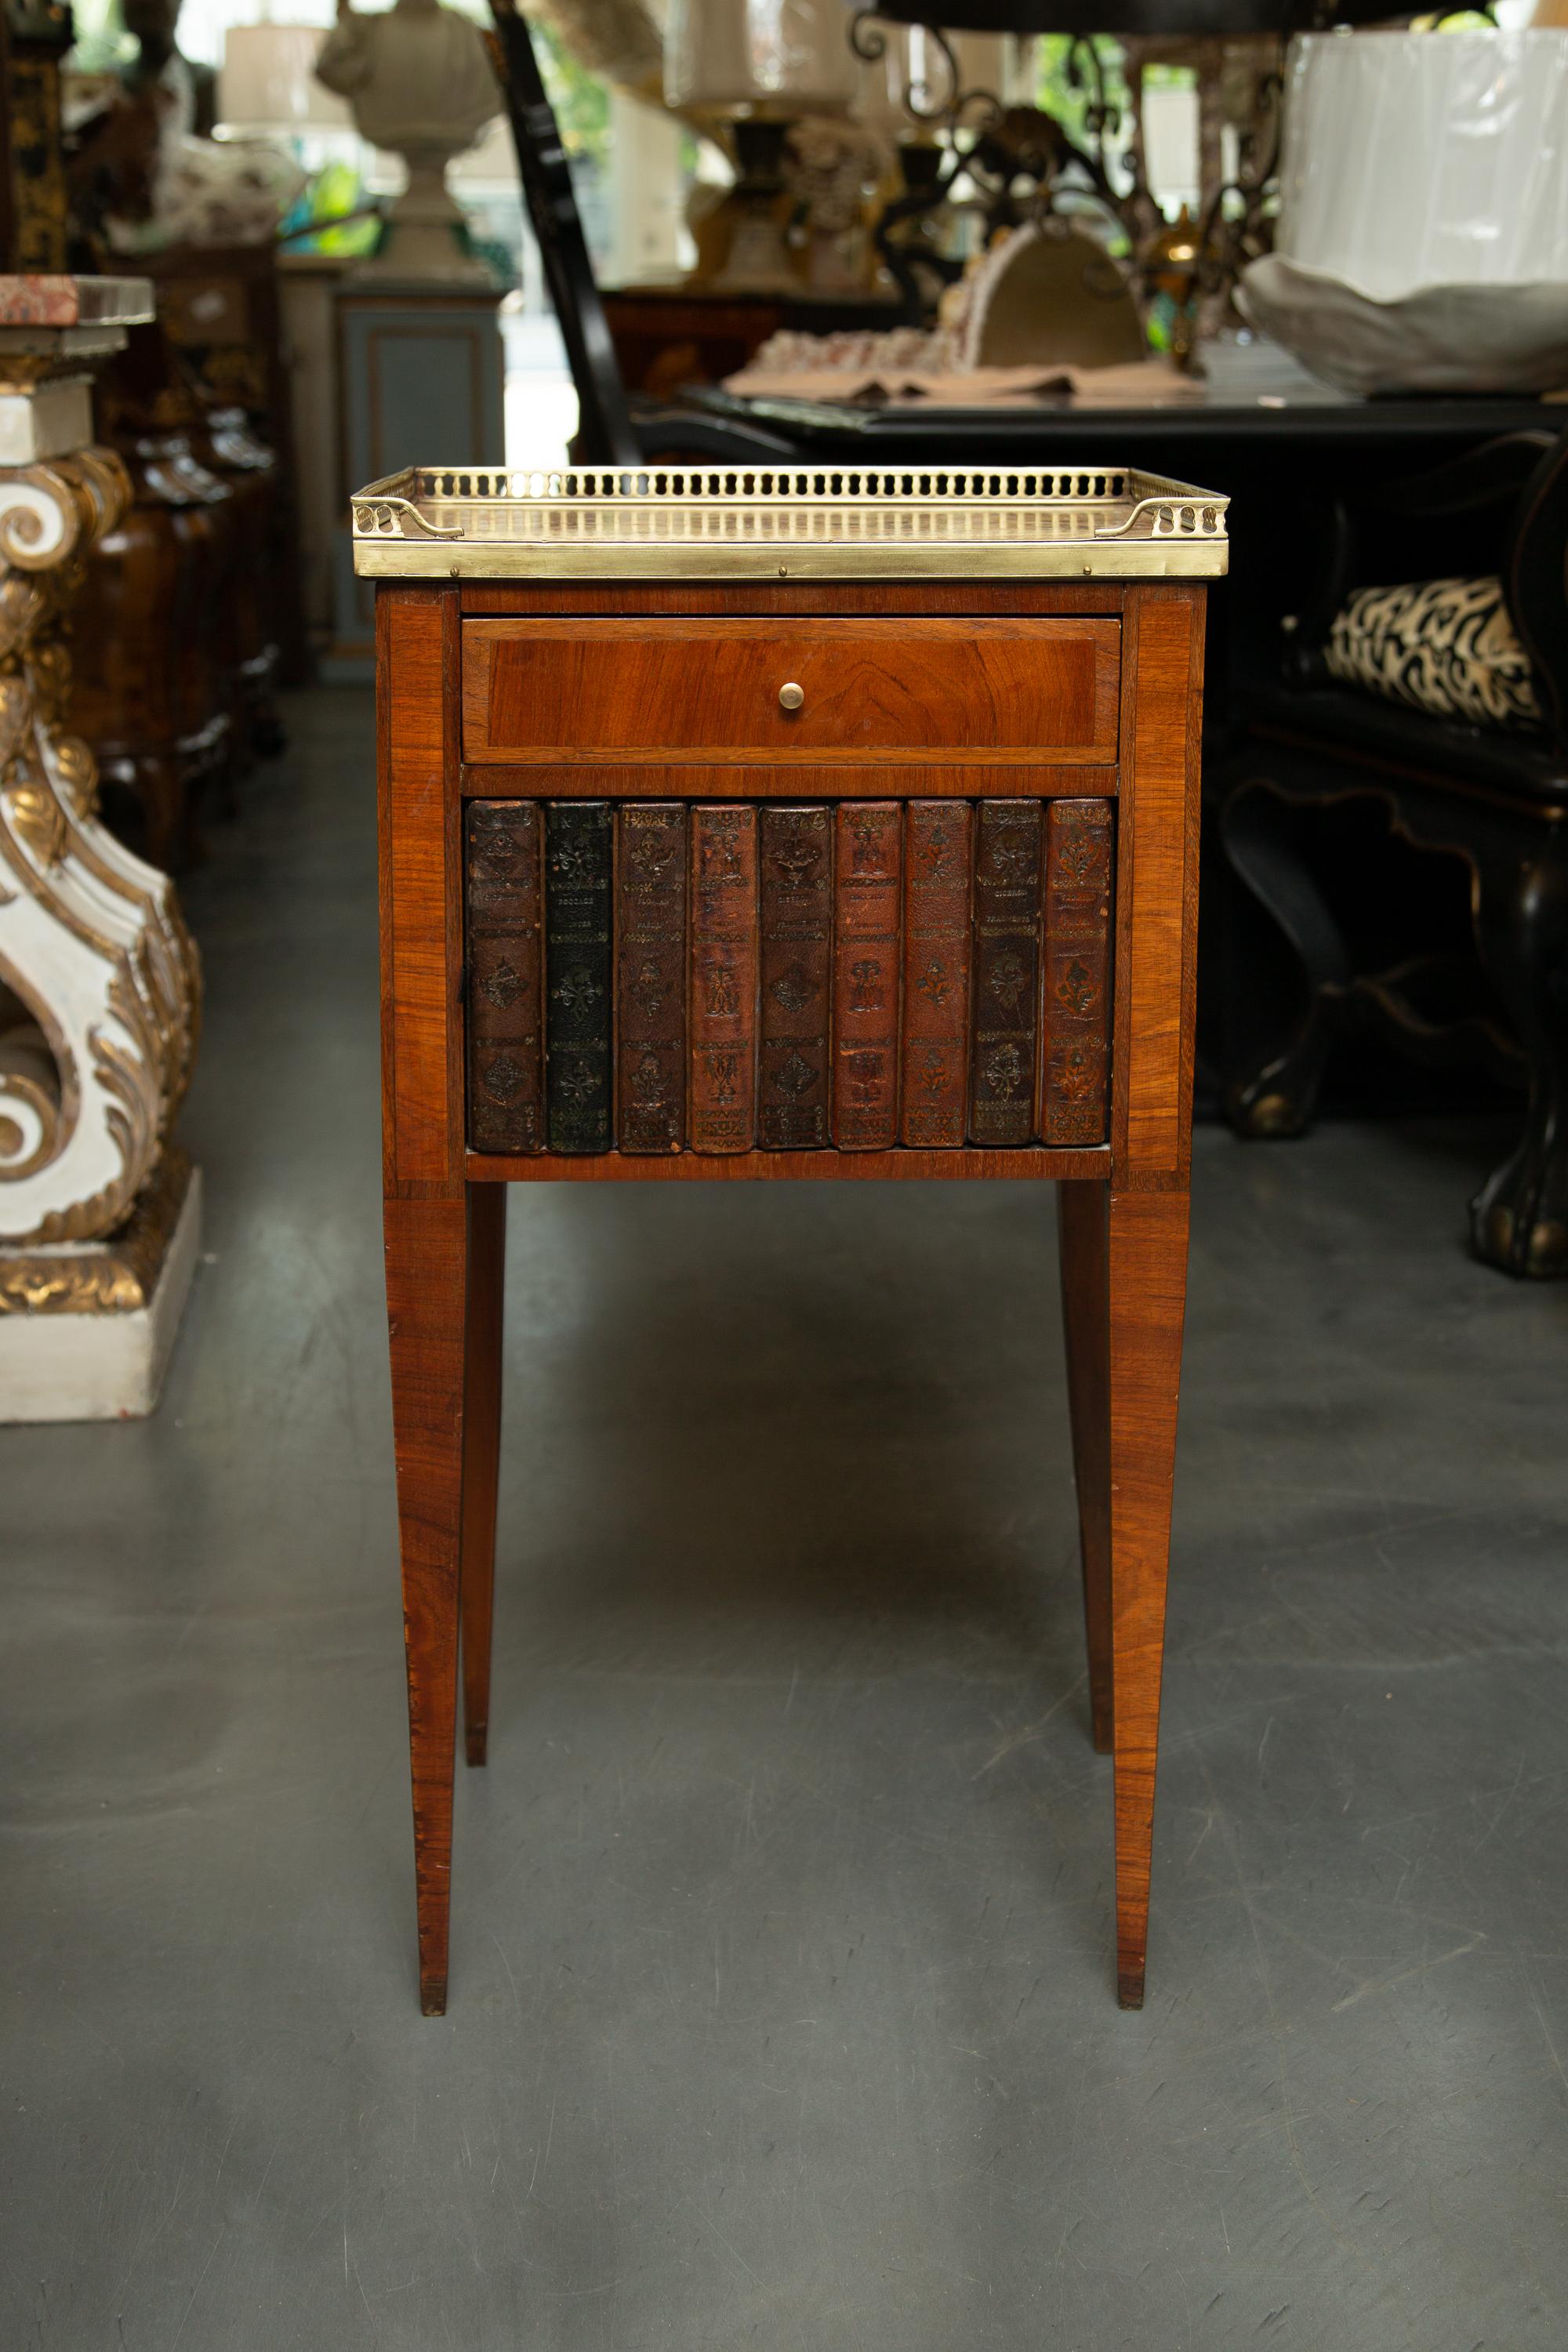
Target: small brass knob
x,y
790,697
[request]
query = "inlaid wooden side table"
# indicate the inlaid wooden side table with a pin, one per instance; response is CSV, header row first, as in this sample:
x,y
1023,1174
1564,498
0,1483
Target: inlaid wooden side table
x,y
796,825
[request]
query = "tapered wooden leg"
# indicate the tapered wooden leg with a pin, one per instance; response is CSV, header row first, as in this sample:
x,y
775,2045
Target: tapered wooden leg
x,y
482,1453
1148,1287
426,1288
1083,1241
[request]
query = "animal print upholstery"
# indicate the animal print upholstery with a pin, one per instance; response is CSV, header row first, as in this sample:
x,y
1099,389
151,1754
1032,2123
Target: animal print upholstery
x,y
1448,647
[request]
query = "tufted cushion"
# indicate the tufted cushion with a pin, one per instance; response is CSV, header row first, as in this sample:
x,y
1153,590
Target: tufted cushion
x,y
1444,646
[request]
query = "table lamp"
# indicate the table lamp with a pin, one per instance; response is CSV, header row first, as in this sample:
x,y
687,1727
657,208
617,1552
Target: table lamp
x,y
762,64
267,83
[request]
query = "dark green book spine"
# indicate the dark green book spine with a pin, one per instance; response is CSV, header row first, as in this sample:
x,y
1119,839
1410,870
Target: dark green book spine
x,y
577,975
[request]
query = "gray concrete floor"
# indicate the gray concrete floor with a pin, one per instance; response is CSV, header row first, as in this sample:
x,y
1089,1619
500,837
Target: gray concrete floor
x,y
781,2009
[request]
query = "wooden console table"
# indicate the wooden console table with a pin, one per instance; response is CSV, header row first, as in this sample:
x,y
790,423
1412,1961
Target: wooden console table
x,y
951,721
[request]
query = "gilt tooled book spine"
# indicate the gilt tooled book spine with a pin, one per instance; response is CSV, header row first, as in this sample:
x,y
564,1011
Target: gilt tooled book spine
x,y
722,979
868,891
501,871
794,856
1076,1052
577,974
651,975
938,881
1006,988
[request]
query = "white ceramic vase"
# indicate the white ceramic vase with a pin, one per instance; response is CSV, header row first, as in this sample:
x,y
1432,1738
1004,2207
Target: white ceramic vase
x,y
1426,159
1423,236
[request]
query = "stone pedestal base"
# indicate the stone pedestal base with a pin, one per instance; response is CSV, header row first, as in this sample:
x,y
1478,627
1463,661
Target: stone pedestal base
x,y
87,1328
423,239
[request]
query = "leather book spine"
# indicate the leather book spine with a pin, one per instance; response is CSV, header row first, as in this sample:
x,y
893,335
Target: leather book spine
x,y
939,883
502,874
795,856
651,975
1006,1023
1076,1029
722,979
868,891
577,974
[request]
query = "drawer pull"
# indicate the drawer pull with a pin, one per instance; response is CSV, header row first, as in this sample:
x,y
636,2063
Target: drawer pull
x,y
790,697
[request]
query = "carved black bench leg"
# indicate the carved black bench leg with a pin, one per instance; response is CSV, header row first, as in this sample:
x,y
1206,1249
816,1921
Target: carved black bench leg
x,y
1279,1095
1518,1220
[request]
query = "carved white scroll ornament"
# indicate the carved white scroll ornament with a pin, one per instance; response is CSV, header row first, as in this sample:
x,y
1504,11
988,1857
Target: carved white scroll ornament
x,y
99,985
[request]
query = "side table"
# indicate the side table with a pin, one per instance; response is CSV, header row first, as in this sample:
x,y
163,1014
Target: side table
x,y
807,825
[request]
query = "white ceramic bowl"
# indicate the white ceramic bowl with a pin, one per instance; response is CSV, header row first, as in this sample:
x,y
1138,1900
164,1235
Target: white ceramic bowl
x,y
1438,338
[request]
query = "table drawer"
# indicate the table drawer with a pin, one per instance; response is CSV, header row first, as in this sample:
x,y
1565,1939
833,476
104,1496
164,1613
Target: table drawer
x,y
1026,692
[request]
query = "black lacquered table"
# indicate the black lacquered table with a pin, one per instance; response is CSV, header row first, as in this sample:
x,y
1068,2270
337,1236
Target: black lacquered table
x,y
1280,461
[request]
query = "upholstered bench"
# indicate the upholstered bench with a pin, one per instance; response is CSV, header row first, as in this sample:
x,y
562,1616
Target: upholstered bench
x,y
1443,703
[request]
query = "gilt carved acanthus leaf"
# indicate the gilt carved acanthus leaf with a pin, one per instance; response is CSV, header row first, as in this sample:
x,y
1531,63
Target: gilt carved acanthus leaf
x,y
39,820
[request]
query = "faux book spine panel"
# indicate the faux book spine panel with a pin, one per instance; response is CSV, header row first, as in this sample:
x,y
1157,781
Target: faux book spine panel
x,y
939,885
577,974
796,866
866,914
1076,1028
1001,1084
651,863
505,1032
674,975
724,979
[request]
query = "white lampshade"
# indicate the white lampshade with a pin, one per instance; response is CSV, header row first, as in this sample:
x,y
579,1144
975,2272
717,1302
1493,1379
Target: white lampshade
x,y
779,57
1172,146
1426,159
266,81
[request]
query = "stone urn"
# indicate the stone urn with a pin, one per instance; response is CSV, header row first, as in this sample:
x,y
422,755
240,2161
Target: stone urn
x,y
419,84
